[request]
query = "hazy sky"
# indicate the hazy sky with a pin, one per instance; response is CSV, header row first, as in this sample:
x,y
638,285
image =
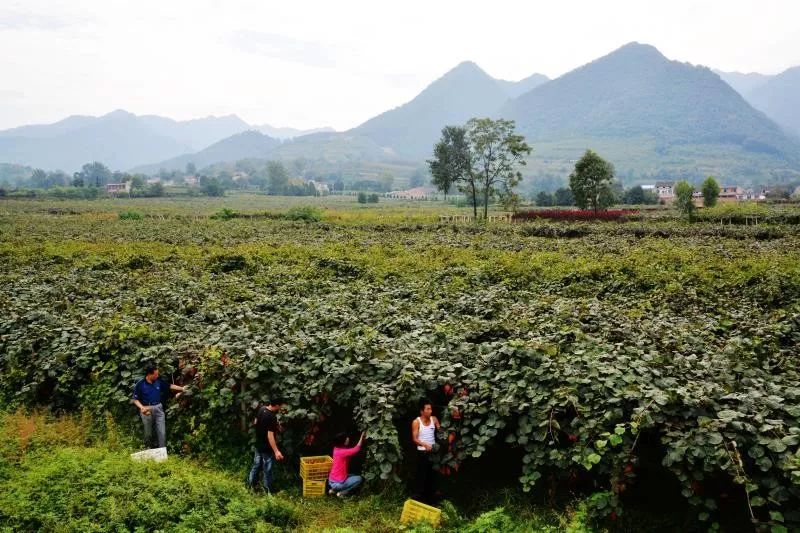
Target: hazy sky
x,y
337,63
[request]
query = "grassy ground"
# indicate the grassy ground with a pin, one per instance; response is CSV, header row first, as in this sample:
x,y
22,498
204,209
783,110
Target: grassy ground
x,y
67,474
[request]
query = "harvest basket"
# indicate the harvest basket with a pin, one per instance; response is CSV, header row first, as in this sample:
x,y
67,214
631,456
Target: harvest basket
x,y
414,511
313,488
315,467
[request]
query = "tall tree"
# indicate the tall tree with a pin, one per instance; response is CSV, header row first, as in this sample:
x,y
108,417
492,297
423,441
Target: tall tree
x,y
635,195
497,152
451,163
417,179
683,199
563,197
299,166
591,182
39,179
57,179
211,186
710,190
191,169
278,177
386,181
95,174
544,199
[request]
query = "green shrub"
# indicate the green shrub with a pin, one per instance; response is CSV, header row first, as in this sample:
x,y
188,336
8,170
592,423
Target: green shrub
x,y
491,521
91,489
305,213
130,215
225,214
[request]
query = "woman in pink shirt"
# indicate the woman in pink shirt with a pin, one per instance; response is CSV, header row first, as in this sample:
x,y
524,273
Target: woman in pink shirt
x,y
340,482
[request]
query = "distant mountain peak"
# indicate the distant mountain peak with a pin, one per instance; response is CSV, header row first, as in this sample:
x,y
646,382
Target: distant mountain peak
x,y
467,66
118,113
636,93
465,70
637,50
779,98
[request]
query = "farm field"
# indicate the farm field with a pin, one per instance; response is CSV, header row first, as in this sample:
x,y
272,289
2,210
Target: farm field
x,y
598,375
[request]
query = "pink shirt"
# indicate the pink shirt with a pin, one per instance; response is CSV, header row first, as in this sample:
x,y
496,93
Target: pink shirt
x,y
341,458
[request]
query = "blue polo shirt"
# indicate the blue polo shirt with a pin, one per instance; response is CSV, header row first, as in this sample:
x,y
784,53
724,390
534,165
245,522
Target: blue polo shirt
x,y
150,393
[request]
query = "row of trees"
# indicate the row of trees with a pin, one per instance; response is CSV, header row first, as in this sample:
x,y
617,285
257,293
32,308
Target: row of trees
x,y
563,196
89,182
592,186
482,160
364,198
684,196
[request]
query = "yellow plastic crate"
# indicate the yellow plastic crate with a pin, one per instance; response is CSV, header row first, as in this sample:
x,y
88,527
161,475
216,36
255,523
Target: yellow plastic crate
x,y
316,467
414,511
313,488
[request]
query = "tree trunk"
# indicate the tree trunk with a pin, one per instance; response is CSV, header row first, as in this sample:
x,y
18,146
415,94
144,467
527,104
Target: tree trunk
x,y
474,201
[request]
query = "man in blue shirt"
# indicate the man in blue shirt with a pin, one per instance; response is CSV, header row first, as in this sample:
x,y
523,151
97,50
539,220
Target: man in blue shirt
x,y
149,394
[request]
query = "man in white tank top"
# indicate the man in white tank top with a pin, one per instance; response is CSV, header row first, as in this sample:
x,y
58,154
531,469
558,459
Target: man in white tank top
x,y
423,433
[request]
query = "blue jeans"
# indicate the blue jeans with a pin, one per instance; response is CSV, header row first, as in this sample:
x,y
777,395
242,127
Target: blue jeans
x,y
263,460
347,486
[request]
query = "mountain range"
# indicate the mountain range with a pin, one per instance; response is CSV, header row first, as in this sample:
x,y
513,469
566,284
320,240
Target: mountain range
x,y
649,115
779,99
743,83
464,92
646,113
123,140
777,96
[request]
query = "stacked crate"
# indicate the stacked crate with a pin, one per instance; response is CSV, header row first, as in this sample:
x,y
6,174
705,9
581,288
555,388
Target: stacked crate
x,y
314,472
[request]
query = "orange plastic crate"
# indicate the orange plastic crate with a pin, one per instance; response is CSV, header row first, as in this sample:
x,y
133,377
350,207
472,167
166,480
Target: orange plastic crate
x,y
414,511
313,488
316,467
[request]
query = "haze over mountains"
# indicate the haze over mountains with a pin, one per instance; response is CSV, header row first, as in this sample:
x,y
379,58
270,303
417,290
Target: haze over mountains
x,y
635,101
743,83
649,115
777,96
462,93
779,99
123,140
646,113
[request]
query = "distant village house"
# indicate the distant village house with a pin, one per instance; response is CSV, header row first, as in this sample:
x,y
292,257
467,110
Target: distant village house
x,y
417,193
321,188
118,188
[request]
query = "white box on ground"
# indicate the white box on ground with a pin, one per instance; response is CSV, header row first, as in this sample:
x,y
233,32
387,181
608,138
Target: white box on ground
x,y
155,454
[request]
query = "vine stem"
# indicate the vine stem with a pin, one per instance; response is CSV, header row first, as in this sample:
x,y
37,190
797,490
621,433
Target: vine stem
x,y
736,459
550,425
638,420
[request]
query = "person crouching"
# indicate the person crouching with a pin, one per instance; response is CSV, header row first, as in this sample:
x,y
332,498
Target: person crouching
x,y
341,483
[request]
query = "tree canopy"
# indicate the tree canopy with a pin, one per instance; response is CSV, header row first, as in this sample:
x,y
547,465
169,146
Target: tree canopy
x,y
710,190
278,177
482,158
451,161
683,199
591,182
497,153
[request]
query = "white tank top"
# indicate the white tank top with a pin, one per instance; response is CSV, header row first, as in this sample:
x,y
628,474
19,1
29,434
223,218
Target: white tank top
x,y
427,434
